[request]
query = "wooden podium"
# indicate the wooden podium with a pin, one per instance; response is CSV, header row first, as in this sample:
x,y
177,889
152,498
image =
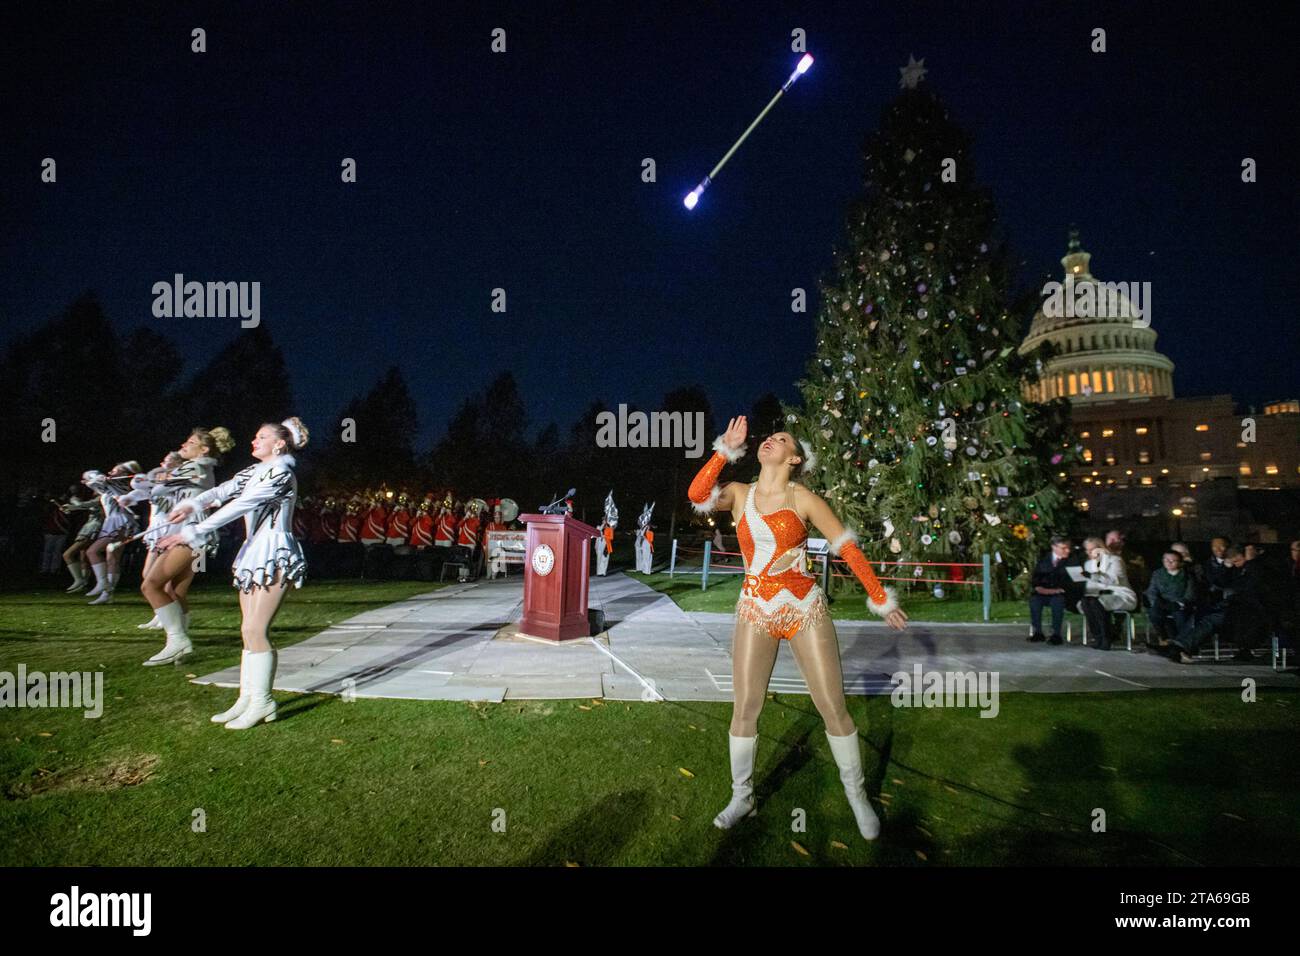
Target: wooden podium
x,y
556,576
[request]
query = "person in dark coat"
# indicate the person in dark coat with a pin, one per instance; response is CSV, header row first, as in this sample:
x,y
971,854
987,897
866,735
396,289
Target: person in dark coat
x,y
1051,586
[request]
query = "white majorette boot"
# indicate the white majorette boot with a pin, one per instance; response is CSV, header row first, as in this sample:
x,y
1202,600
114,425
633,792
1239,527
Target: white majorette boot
x,y
742,783
245,694
259,675
110,585
178,642
101,580
78,576
153,624
848,756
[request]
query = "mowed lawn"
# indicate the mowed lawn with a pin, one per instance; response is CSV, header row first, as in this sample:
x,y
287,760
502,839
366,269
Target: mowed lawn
x,y
1182,777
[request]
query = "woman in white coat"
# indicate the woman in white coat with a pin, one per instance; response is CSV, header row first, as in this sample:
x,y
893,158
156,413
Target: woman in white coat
x,y
264,495
1106,590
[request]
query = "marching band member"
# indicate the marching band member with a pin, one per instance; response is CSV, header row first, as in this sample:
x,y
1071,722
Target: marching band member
x,y
467,536
645,547
444,535
271,559
329,522
604,544
780,600
56,526
422,526
399,522
375,529
350,526
306,527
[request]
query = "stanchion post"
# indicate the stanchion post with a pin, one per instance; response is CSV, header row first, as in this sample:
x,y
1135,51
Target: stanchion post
x,y
672,561
704,578
988,587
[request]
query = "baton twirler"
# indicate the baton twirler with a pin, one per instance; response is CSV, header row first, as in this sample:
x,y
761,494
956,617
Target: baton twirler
x,y
693,196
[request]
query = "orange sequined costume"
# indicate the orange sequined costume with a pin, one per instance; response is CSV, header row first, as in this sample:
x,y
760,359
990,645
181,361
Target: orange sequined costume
x,y
779,594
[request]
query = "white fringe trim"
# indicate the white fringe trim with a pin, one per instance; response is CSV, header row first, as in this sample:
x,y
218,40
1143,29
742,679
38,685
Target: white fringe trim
x,y
704,507
809,459
732,455
890,605
848,535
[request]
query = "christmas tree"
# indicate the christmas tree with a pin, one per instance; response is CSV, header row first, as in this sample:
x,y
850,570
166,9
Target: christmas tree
x,y
913,401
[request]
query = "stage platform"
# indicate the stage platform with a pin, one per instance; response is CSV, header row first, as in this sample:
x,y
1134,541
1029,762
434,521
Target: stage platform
x,y
463,643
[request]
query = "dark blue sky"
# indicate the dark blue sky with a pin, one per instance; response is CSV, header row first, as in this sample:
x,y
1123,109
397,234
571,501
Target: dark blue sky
x,y
522,170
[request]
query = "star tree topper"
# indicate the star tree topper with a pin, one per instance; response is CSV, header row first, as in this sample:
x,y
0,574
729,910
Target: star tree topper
x,y
913,73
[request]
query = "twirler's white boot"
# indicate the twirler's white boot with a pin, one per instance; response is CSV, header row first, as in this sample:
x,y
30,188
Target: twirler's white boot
x,y
742,783
848,756
78,576
153,624
101,580
178,642
110,585
259,675
245,694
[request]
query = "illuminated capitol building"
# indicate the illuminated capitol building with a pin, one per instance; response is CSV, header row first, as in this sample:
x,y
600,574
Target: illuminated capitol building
x,y
1147,454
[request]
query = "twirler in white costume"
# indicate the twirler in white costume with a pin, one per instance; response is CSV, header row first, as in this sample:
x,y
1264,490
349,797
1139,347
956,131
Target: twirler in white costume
x,y
264,495
119,524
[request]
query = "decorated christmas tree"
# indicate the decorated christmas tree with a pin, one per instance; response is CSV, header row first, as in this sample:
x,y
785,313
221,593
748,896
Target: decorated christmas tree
x,y
913,399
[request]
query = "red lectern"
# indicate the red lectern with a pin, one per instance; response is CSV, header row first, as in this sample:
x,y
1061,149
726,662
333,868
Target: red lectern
x,y
556,574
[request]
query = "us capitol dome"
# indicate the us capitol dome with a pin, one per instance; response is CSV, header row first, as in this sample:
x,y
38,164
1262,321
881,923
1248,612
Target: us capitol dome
x,y
1099,358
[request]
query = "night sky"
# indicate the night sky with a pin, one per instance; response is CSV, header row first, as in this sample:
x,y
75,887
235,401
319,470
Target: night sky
x,y
522,170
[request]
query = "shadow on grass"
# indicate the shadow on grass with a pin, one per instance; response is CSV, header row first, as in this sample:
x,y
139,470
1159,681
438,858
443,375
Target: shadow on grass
x,y
597,834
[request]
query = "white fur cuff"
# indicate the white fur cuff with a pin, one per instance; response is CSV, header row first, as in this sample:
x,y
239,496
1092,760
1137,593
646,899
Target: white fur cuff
x,y
890,605
703,508
848,535
732,455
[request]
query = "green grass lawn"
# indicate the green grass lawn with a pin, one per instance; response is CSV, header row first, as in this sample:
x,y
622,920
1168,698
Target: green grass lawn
x,y
1181,776
963,603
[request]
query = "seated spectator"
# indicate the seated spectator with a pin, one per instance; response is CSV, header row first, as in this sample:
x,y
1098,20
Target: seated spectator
x,y
1135,565
1106,590
1295,561
1050,586
1219,574
1171,598
1193,570
1222,573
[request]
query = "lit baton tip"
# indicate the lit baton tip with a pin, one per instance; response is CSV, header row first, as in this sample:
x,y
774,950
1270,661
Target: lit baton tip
x,y
693,196
805,63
